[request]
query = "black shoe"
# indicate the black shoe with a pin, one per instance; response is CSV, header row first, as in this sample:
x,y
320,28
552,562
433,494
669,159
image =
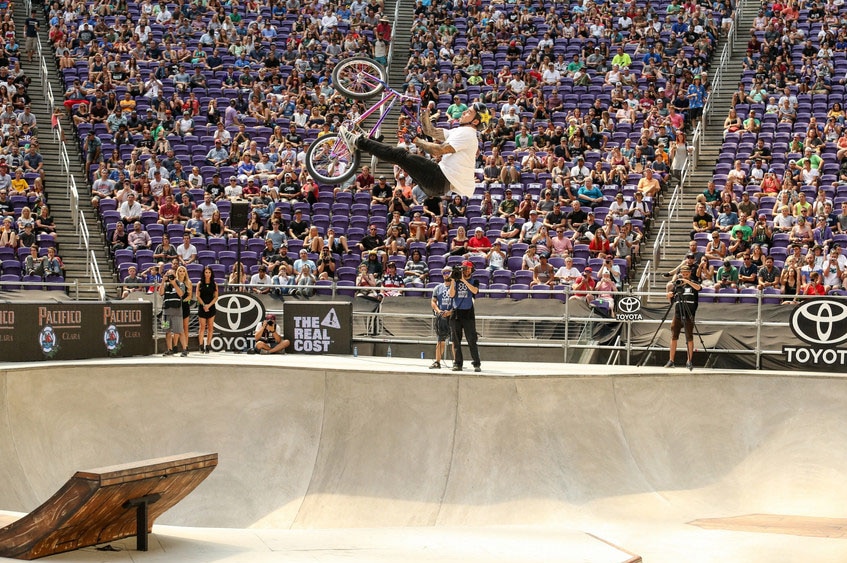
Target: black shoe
x,y
689,365
670,365
477,369
456,368
183,354
435,365
169,353
667,275
251,351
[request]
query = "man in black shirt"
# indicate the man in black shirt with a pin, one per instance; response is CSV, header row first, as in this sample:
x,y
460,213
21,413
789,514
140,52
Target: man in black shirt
x,y
577,216
6,208
370,241
31,33
293,138
683,295
298,227
215,187
381,192
555,218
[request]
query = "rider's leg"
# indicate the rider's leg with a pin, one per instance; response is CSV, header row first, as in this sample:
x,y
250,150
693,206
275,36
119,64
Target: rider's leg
x,y
425,172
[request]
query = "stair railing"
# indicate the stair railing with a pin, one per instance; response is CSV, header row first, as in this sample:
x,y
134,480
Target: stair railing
x,y
92,268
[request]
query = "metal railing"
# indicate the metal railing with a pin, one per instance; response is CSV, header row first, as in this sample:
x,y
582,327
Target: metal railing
x,y
92,267
716,77
576,331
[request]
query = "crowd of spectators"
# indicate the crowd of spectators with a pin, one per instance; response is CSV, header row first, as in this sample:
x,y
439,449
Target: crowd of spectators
x,y
775,215
187,107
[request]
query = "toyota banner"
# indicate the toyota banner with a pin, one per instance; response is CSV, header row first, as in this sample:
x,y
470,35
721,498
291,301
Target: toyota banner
x,y
313,327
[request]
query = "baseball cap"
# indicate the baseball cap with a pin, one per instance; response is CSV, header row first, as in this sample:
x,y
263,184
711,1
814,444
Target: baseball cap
x,y
685,269
533,212
467,264
270,317
588,270
479,230
446,269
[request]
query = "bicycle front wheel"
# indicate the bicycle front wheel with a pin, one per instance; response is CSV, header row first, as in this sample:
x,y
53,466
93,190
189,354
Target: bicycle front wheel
x,y
359,78
330,161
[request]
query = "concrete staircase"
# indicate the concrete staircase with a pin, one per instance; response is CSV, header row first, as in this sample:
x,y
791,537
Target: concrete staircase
x,y
396,76
70,250
712,138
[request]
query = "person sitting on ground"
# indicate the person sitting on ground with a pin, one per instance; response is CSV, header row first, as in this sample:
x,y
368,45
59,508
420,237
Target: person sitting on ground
x,y
267,337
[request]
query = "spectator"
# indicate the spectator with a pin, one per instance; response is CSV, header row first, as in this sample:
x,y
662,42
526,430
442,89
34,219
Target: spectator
x,y
769,275
186,252
35,265
261,282
132,282
139,238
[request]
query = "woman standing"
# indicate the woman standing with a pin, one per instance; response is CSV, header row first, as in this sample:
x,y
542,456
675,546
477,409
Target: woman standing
x,y
182,278
207,296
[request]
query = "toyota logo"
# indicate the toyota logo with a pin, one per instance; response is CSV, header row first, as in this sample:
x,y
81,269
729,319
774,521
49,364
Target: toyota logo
x,y
629,305
238,312
820,322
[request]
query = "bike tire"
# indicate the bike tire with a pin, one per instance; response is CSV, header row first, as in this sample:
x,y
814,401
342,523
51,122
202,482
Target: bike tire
x,y
352,78
330,161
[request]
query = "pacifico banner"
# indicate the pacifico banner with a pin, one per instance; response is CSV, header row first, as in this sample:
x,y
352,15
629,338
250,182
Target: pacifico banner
x,y
318,327
32,332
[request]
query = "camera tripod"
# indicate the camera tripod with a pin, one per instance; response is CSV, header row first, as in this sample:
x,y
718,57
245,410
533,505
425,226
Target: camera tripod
x,y
686,313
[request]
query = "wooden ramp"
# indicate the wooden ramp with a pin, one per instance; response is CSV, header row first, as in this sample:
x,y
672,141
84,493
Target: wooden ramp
x,y
106,504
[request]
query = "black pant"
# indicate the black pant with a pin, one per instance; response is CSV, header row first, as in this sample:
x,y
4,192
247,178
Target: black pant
x,y
425,172
464,320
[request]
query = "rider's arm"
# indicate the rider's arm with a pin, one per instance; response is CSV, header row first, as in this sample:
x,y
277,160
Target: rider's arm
x,y
428,128
435,149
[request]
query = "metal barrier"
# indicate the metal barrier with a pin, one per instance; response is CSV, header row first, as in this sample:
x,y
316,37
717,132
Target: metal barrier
x,y
497,330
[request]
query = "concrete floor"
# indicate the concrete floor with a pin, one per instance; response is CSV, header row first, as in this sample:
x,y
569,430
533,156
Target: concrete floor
x,y
377,459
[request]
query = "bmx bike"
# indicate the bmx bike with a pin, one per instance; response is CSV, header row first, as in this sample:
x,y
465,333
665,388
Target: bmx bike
x,y
328,159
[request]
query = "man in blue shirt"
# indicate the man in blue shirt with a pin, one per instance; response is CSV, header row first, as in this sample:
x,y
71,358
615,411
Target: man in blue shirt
x,y
442,307
462,292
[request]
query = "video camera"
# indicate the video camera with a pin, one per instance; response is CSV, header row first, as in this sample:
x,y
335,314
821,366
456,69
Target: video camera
x,y
456,273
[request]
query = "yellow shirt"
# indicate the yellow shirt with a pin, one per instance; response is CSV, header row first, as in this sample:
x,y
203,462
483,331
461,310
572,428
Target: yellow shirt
x,y
20,186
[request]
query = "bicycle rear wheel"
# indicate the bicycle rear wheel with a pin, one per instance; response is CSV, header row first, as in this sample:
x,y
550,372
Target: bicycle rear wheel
x,y
359,78
330,161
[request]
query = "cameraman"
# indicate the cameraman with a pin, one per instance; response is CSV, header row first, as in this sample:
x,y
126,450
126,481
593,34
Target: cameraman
x,y
172,291
441,306
684,296
268,339
462,290
326,265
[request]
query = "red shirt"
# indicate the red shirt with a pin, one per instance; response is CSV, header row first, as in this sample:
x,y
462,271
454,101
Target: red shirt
x,y
169,211
813,289
479,243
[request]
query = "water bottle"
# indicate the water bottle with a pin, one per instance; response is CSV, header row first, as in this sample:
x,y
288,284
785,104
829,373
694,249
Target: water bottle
x,y
355,351
423,355
389,351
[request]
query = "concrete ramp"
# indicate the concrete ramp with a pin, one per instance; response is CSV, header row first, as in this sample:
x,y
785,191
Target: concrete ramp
x,y
629,455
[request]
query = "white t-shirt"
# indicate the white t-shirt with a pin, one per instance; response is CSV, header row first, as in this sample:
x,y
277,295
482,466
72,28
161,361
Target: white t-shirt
x,y
568,275
458,167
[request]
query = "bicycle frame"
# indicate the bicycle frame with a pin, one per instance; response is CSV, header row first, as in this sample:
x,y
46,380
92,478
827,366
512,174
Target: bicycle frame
x,y
390,97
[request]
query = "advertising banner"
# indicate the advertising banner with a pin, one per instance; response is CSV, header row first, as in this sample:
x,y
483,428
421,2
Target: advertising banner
x,y
32,332
319,327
